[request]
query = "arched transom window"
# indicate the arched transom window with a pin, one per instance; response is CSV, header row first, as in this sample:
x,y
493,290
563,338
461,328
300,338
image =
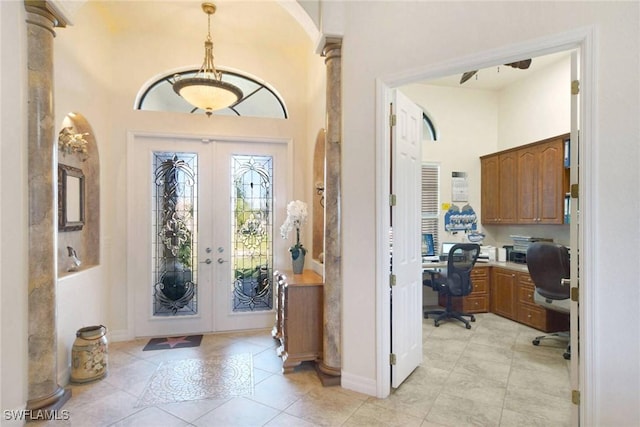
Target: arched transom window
x,y
259,98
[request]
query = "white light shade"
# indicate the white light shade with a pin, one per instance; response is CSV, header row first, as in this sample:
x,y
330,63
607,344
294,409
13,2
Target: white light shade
x,y
207,94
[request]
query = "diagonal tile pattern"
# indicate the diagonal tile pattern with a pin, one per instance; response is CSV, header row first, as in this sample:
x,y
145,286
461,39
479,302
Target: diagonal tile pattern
x,y
489,375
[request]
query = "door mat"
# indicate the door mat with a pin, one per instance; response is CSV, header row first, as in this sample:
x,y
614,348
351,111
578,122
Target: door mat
x,y
173,342
194,379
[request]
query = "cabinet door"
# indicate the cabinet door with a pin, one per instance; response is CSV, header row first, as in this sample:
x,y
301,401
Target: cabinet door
x,y
490,191
503,293
479,281
527,185
508,188
550,180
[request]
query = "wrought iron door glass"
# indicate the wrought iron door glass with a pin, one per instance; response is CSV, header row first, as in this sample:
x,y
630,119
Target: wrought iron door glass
x,y
174,237
252,232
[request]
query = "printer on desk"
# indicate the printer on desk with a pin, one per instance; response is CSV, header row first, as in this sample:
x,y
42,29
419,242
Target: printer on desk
x,y
487,253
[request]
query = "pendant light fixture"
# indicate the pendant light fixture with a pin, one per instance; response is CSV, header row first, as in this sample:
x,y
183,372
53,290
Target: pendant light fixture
x,y
206,90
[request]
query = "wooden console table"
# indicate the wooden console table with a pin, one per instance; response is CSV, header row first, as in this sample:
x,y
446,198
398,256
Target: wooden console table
x,y
298,325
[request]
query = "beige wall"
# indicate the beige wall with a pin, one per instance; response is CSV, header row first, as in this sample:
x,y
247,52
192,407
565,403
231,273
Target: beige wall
x,y
536,108
101,62
14,217
467,123
386,39
381,39
135,57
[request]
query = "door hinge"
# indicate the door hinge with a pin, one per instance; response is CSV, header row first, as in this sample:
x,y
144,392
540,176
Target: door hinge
x,y
392,280
575,294
575,87
392,120
574,191
392,359
392,199
575,397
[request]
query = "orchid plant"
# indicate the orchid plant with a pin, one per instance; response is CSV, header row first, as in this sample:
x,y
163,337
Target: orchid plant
x,y
296,217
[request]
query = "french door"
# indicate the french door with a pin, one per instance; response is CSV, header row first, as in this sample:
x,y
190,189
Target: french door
x,y
202,220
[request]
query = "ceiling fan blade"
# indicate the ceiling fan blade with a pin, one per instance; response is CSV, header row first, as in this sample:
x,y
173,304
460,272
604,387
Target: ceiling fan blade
x,y
522,65
466,76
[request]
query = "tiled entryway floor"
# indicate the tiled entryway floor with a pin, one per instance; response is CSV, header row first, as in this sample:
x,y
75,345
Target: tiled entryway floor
x,y
490,375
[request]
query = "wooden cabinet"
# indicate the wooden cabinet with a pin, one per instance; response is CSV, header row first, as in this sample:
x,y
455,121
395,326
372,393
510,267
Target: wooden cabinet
x,y
504,293
298,325
525,185
531,314
490,190
499,190
541,179
478,300
508,293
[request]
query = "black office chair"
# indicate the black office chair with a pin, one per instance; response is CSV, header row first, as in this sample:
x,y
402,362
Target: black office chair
x,y
456,282
548,264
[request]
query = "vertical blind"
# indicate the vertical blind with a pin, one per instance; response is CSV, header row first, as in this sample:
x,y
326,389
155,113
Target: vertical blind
x,y
430,202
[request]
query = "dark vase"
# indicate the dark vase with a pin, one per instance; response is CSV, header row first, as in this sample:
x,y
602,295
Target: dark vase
x,y
297,260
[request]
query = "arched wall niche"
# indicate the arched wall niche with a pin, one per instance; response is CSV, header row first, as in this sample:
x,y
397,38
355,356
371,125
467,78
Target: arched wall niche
x,y
78,155
318,197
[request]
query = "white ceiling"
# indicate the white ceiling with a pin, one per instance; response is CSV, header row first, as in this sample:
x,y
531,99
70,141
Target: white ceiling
x,y
498,77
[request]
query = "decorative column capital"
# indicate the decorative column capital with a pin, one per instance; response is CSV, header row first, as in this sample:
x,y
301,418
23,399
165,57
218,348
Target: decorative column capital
x,y
332,48
48,10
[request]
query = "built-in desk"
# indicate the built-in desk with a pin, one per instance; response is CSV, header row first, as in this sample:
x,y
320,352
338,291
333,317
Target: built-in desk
x,y
506,289
506,265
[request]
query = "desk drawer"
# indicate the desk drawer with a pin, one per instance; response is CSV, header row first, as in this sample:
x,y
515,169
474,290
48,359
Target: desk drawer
x,y
533,316
525,294
476,304
478,287
471,303
480,273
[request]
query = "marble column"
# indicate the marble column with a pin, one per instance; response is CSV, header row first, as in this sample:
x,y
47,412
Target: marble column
x,y
44,393
331,363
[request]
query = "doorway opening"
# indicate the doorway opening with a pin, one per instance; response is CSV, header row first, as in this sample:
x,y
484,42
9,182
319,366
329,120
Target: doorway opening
x,y
581,41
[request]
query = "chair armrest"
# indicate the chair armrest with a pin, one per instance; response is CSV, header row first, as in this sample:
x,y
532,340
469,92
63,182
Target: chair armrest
x,y
436,278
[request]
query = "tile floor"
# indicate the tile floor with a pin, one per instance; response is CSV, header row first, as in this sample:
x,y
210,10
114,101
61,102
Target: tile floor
x,y
489,375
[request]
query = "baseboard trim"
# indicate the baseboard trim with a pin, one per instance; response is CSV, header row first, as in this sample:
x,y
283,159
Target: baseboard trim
x,y
120,335
358,383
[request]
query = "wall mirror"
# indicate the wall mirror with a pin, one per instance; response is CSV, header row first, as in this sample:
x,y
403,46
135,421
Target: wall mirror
x,y
70,198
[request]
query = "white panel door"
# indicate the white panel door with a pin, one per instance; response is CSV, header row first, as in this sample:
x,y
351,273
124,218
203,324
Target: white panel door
x,y
202,221
406,295
574,230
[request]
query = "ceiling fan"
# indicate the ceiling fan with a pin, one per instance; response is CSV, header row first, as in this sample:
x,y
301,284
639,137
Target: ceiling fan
x,y
522,65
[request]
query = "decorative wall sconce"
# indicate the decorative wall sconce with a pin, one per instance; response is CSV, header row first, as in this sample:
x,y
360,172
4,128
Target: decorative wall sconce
x,y
320,192
70,142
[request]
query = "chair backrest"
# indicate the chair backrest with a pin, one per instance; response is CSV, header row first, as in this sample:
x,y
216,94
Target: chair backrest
x,y
548,264
462,257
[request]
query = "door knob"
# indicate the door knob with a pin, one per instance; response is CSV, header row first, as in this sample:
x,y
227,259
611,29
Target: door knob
x,y
206,261
220,260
